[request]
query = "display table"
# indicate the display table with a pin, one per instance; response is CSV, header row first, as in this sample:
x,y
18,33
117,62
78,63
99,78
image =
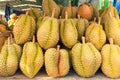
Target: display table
x,y
43,76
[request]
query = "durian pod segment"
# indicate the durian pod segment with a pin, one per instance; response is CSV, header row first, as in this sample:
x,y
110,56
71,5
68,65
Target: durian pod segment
x,y
32,59
68,32
8,60
111,60
57,62
86,59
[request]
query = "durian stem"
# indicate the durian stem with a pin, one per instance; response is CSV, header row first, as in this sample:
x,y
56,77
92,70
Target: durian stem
x,y
0,17
69,3
111,41
58,51
110,14
99,20
58,47
66,15
78,16
10,37
9,41
30,7
33,40
110,3
95,19
83,40
27,12
53,13
44,15
60,17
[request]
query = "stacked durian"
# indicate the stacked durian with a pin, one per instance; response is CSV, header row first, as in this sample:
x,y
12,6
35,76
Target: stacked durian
x,y
62,38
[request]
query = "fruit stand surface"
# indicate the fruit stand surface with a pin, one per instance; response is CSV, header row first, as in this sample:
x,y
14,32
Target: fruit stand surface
x,y
43,76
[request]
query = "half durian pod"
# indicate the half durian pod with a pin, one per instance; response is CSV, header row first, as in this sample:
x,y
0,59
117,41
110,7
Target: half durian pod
x,y
86,59
111,60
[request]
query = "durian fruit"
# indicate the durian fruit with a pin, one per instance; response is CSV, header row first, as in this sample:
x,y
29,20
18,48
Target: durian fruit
x,y
48,6
17,47
71,10
68,32
24,28
85,11
57,62
32,59
112,29
95,11
86,59
35,13
105,14
82,25
96,35
48,32
111,60
8,60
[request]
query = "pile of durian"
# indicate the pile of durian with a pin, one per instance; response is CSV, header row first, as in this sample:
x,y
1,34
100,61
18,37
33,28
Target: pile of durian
x,y
61,38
